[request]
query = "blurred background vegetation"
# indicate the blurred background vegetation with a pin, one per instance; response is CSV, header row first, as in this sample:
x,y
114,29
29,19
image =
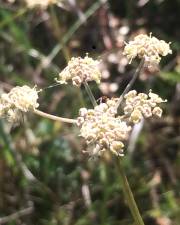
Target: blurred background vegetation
x,y
45,179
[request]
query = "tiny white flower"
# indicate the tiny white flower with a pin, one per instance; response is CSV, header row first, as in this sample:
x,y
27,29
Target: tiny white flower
x,y
80,70
39,3
141,105
148,48
100,126
19,99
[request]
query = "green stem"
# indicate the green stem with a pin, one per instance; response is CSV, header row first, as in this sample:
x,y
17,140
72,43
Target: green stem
x,y
129,195
74,28
128,87
90,94
65,50
58,33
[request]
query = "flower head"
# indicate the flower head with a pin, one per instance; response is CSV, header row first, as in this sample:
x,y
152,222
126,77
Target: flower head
x,y
80,70
19,99
101,128
39,3
141,105
148,48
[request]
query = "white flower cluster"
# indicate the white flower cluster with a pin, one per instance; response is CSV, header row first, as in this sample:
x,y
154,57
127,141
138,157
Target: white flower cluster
x,y
39,3
80,70
19,99
147,47
142,105
101,128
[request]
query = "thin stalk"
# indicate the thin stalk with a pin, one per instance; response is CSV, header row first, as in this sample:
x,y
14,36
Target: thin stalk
x,y
128,87
129,195
75,27
52,117
58,33
90,94
65,50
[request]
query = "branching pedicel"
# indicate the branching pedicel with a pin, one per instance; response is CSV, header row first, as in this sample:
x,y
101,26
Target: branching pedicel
x,y
101,127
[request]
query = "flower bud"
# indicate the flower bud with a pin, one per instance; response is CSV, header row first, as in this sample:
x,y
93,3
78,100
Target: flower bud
x,y
157,111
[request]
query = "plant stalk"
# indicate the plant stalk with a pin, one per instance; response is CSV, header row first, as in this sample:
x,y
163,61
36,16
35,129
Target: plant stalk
x,y
52,117
128,87
129,195
90,94
59,33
